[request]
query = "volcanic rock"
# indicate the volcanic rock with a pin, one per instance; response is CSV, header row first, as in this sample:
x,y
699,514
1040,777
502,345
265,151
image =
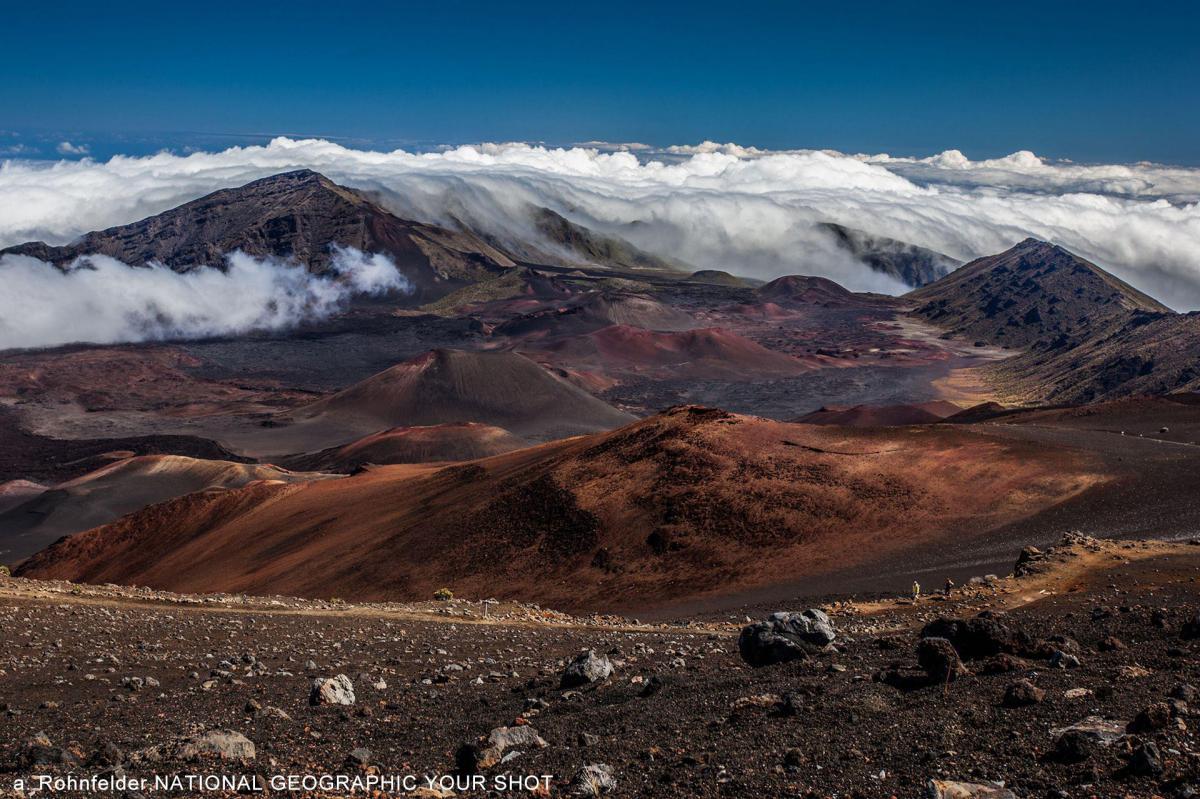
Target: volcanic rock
x,y
337,690
586,669
979,637
786,636
950,789
593,780
489,751
1021,693
939,659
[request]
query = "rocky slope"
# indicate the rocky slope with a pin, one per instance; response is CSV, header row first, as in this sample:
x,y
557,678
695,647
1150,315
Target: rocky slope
x,y
909,264
121,487
97,679
1146,353
455,441
686,504
1034,294
295,215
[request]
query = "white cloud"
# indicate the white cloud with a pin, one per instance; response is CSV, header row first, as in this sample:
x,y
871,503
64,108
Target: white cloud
x,y
66,148
1025,171
100,300
17,150
718,206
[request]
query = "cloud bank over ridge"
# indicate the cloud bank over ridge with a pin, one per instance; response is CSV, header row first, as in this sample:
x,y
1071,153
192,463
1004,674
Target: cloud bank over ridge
x,y
103,301
717,206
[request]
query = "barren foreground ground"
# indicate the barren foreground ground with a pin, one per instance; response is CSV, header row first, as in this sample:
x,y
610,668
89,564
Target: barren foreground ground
x,y
93,680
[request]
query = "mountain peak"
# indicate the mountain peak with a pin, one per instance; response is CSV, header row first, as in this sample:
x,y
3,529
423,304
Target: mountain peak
x,y
1033,292
295,215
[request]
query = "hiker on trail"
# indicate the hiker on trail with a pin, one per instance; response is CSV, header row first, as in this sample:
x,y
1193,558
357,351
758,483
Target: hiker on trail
x,y
916,590
949,587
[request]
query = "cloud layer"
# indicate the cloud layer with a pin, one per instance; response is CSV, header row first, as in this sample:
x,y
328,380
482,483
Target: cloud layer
x,y
717,206
101,300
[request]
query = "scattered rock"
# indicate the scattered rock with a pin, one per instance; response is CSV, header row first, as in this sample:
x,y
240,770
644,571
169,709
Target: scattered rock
x,y
359,757
949,789
1084,738
1154,717
39,751
593,780
1146,760
940,660
1075,746
1184,691
979,637
786,636
1134,672
332,691
652,686
487,752
1064,660
1191,628
586,669
1001,664
211,745
1030,561
1021,693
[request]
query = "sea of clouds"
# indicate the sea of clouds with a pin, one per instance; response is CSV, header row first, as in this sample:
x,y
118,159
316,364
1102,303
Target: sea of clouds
x,y
714,206
101,300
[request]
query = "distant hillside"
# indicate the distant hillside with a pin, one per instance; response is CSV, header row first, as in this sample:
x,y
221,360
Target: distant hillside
x,y
882,415
1146,353
458,441
700,354
121,487
1034,293
911,265
524,283
594,310
502,389
688,503
1083,334
804,290
292,215
586,246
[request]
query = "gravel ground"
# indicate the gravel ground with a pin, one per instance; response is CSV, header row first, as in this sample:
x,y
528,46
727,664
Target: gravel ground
x,y
115,681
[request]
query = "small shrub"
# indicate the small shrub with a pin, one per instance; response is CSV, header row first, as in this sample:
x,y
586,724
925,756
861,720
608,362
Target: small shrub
x,y
5,571
443,595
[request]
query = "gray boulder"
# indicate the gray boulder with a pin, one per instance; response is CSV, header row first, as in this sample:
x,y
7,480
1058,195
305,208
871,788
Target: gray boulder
x,y
786,636
487,752
210,745
586,669
593,780
332,691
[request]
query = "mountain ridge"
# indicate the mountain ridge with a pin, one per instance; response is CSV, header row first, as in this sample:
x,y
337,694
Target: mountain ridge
x,y
296,215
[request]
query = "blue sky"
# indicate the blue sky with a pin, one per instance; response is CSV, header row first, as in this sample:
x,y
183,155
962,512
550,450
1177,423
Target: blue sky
x,y
1091,81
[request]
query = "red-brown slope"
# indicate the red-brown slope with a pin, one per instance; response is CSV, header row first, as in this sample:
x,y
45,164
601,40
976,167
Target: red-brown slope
x,y
121,487
689,503
503,389
882,415
592,311
459,441
699,354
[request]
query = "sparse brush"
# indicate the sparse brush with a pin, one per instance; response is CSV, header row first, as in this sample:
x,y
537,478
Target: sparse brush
x,y
5,571
443,595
